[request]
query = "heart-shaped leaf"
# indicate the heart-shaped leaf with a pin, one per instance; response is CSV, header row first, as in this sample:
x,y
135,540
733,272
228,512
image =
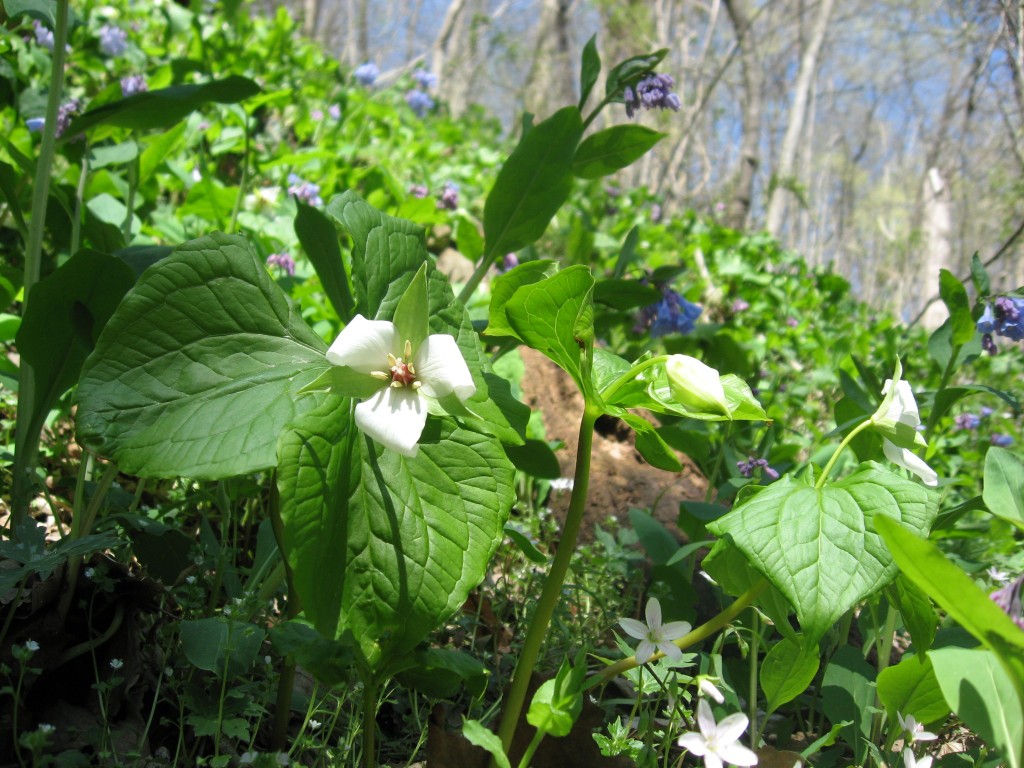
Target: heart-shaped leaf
x,y
200,367
819,546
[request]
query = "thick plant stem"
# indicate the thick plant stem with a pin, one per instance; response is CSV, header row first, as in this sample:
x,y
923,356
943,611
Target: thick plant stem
x,y
26,444
552,591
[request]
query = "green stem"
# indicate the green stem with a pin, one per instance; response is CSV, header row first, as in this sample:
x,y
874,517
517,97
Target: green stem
x,y
244,185
608,392
552,590
76,222
717,469
133,183
531,749
947,374
755,637
701,633
835,456
283,705
476,278
26,441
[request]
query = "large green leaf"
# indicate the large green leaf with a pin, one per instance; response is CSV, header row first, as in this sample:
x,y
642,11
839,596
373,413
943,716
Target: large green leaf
x,y
787,670
382,547
612,149
320,242
976,686
819,546
532,184
164,107
1004,485
200,368
65,314
910,688
556,317
847,694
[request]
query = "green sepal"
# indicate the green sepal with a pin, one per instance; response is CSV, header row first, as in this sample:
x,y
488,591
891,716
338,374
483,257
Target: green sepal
x,y
412,314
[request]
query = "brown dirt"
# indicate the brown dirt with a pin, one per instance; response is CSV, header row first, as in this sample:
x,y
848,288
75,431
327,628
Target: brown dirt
x,y
620,479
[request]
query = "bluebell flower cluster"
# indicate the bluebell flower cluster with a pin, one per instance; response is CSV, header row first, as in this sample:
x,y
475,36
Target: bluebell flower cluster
x,y
652,92
66,113
1001,440
366,74
1003,317
132,85
419,101
44,35
306,191
747,468
283,261
424,78
970,421
113,40
1009,599
673,314
449,199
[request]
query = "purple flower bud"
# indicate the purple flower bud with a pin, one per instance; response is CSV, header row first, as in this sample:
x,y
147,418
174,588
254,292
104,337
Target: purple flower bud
x,y
986,411
656,213
113,40
419,102
988,344
449,199
334,111
424,78
418,191
366,74
792,322
1000,440
511,261
740,306
317,115
747,468
283,261
65,113
132,85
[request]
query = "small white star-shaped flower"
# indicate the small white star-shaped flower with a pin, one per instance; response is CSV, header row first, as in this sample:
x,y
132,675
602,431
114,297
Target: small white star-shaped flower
x,y
914,729
395,411
718,743
655,636
909,761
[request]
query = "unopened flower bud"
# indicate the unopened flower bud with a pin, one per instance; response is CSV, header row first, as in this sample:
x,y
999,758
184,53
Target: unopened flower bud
x,y
696,386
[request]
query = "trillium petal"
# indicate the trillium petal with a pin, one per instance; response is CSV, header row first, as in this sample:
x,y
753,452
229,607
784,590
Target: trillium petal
x,y
731,728
634,628
737,754
910,461
364,345
395,418
653,613
442,369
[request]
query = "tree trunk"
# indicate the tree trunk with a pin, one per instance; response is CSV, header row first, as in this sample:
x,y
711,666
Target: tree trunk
x,y
784,177
742,192
551,82
936,230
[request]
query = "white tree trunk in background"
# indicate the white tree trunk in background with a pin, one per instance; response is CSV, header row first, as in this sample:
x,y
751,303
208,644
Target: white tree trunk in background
x,y
936,231
784,168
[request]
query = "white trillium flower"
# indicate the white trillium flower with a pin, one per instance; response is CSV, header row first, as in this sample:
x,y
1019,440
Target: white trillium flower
x,y
655,636
718,743
902,412
909,761
915,730
395,415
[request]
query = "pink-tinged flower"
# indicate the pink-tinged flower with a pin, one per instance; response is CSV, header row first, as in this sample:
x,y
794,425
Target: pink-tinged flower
x,y
655,636
718,743
398,383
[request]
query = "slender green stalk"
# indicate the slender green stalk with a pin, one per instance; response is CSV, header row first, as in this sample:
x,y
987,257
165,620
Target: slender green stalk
x,y
552,590
133,184
244,185
531,749
701,633
76,221
755,637
608,392
835,456
476,278
717,469
26,440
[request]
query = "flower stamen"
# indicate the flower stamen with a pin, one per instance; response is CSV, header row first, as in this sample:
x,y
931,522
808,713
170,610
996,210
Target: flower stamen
x,y
403,374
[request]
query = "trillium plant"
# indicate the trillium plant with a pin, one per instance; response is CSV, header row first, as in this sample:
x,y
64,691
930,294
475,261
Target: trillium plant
x,y
393,449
